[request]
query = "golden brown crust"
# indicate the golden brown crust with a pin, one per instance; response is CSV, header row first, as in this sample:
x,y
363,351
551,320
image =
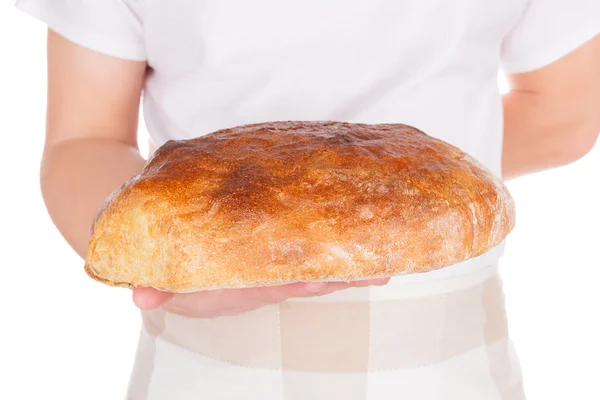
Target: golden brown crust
x,y
279,202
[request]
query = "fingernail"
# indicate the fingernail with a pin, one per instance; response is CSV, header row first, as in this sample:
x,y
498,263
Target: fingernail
x,y
315,287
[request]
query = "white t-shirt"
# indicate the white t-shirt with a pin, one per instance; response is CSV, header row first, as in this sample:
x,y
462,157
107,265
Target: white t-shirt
x,y
432,64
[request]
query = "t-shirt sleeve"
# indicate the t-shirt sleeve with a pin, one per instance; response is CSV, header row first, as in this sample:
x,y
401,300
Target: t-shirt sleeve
x,y
547,31
112,27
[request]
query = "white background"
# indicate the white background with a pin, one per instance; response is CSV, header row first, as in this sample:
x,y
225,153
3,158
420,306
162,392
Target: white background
x,y
65,336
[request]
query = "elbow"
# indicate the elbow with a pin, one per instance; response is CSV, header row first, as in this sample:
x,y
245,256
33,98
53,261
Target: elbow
x,y
580,143
576,126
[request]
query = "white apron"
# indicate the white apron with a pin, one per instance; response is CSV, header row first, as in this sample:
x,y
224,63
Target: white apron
x,y
438,339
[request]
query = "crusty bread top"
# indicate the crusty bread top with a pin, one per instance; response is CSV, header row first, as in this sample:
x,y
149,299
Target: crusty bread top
x,y
280,202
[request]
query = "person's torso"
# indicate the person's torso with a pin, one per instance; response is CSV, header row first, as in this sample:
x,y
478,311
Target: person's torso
x,y
431,64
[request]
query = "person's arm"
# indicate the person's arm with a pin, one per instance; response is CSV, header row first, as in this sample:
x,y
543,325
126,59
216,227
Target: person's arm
x,y
91,134
552,114
91,149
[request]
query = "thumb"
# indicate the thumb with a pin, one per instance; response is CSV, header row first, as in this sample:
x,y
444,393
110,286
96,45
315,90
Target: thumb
x,y
149,298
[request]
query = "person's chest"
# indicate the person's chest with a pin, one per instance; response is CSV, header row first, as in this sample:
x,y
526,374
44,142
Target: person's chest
x,y
322,37
222,63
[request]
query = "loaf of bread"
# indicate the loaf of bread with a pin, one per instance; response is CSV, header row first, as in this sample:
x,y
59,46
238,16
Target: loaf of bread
x,y
283,202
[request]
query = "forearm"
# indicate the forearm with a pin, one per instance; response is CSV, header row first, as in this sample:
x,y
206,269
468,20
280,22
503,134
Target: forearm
x,y
76,177
541,134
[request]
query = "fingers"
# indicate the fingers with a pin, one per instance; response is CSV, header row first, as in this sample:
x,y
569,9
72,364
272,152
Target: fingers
x,y
371,282
280,293
315,287
335,286
277,294
203,304
150,298
235,301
